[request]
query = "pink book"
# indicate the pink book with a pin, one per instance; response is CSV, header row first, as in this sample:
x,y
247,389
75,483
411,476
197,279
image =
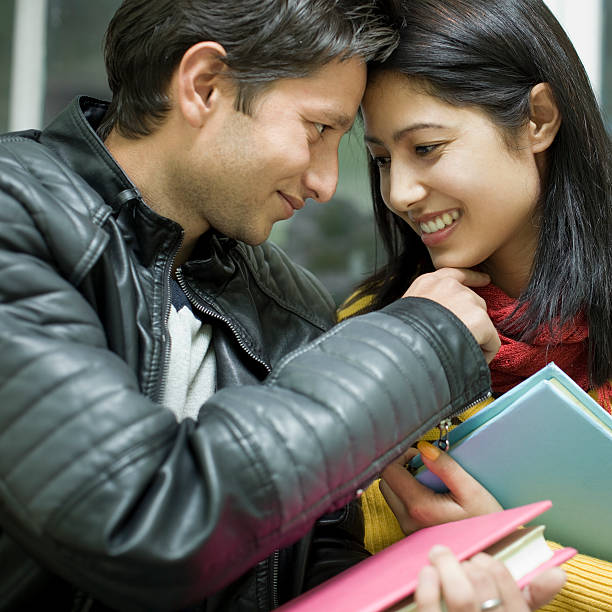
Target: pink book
x,y
387,578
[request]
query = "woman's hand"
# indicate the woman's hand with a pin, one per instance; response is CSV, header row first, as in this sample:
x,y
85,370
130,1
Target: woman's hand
x,y
482,583
416,506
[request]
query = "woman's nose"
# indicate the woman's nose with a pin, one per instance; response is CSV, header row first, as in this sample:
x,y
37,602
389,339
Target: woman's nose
x,y
405,189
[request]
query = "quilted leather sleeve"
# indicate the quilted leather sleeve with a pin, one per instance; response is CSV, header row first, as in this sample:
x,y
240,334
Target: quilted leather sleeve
x,y
102,486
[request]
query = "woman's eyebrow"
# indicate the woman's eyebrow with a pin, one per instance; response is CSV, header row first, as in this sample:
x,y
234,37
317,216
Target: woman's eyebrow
x,y
399,134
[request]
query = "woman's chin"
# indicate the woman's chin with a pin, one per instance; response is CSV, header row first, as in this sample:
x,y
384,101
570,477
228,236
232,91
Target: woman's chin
x,y
454,262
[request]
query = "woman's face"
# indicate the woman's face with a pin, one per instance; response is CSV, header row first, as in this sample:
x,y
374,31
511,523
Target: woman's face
x,y
448,172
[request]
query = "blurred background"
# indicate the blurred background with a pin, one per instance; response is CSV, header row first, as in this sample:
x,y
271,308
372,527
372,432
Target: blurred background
x,y
51,50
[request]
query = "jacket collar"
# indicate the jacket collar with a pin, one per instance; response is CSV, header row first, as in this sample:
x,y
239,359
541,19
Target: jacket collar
x,y
72,136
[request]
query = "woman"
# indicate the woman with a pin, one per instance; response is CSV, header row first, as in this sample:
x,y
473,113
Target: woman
x,y
489,152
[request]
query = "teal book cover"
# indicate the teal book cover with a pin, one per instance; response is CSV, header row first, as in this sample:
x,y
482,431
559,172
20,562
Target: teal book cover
x,y
544,439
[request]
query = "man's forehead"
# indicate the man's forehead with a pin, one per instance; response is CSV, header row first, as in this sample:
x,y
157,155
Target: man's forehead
x,y
331,95
334,92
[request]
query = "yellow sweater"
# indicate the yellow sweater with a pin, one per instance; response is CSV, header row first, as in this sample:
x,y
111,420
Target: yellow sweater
x,y
589,580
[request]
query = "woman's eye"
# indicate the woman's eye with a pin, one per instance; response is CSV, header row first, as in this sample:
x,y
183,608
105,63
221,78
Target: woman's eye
x,y
383,163
424,150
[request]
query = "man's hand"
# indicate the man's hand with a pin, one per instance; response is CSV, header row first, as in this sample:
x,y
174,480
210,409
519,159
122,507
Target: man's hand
x,y
450,288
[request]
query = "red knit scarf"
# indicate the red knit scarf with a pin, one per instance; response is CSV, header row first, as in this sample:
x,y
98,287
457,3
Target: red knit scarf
x,y
517,360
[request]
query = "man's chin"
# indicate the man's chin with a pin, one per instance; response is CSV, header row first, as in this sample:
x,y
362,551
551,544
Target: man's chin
x,y
253,238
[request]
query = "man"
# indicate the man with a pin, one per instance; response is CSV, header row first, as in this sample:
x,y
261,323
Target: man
x,y
160,444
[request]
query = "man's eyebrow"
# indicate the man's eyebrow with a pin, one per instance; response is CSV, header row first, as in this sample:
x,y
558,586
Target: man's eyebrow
x,y
338,120
397,136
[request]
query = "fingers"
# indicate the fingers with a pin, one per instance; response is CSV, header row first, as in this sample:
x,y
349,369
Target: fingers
x,y
482,583
465,276
427,594
449,287
483,567
401,492
472,278
446,280
458,591
464,488
488,339
416,505
539,592
406,456
544,587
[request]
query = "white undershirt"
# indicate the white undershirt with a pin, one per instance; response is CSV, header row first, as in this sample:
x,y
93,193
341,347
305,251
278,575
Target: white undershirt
x,y
192,366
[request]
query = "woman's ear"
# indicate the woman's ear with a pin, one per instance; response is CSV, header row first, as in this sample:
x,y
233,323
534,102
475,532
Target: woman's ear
x,y
544,117
201,82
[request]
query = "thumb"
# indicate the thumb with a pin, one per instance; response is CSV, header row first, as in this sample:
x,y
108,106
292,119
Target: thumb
x,y
544,587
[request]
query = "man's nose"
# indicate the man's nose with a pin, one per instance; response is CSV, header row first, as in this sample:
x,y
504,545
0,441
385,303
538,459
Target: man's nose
x,y
321,177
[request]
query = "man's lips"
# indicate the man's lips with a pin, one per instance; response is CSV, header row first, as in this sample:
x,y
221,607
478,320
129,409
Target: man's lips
x,y
296,203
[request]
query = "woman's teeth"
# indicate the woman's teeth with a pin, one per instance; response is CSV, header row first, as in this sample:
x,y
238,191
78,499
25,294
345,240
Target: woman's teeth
x,y
439,223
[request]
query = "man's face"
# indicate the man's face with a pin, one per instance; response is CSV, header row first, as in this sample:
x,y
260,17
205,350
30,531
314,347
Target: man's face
x,y
248,172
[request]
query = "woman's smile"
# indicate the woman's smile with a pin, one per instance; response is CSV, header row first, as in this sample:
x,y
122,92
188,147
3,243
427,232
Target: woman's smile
x,y
439,228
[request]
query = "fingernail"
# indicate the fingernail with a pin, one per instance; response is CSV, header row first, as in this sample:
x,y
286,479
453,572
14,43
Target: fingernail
x,y
526,593
438,549
428,450
428,578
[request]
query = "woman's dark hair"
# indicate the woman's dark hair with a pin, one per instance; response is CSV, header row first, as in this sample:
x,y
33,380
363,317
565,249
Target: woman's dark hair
x,y
489,54
265,40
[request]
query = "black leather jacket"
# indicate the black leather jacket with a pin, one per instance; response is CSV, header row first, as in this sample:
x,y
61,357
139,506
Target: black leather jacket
x,y
99,484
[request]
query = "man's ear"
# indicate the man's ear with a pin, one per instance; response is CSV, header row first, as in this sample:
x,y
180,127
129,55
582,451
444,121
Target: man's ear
x,y
544,117
201,81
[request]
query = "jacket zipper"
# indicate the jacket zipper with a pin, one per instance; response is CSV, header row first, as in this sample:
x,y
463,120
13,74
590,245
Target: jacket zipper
x,y
197,302
275,573
445,424
167,306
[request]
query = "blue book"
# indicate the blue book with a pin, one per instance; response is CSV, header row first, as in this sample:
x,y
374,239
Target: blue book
x,y
544,439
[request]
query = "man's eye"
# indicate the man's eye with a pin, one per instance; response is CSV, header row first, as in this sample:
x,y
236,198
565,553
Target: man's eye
x,y
383,163
320,127
424,150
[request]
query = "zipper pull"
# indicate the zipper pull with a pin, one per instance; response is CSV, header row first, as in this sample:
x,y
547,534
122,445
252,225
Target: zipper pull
x,y
442,443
